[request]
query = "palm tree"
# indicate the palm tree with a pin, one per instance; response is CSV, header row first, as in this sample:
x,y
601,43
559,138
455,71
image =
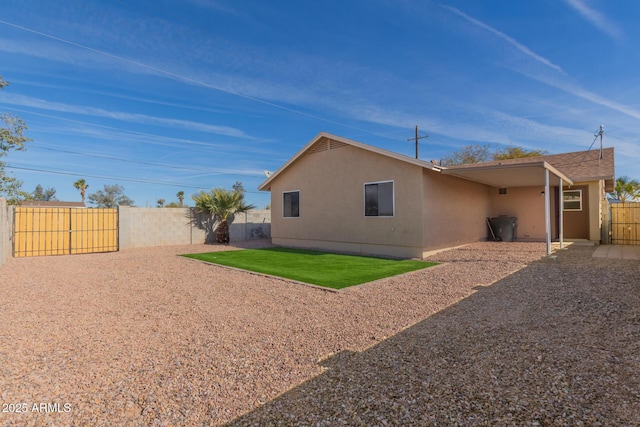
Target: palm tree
x,y
222,204
180,196
82,186
627,189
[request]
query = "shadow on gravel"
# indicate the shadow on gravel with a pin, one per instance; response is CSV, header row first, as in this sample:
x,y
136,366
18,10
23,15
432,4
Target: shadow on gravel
x,y
557,343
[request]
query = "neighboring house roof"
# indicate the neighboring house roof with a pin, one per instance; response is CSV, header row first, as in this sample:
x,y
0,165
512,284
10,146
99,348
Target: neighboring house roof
x,y
324,141
52,204
579,166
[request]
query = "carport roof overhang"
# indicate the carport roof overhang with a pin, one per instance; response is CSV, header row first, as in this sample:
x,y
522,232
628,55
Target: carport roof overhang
x,y
510,175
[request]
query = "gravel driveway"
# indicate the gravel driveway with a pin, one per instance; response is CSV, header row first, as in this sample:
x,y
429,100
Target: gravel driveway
x,y
143,337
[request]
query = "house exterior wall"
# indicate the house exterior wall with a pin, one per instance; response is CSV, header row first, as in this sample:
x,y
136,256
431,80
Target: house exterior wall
x,y
593,197
455,211
596,196
331,185
527,205
576,223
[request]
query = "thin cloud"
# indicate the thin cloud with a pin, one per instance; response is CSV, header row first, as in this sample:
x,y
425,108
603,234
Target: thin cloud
x,y
596,18
579,92
513,42
26,101
476,124
256,90
111,134
458,129
214,5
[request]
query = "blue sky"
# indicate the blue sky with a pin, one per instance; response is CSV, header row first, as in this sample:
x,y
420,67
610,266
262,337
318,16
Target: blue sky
x,y
162,96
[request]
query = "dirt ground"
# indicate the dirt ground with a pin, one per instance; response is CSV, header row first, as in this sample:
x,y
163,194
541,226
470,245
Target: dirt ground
x,y
144,337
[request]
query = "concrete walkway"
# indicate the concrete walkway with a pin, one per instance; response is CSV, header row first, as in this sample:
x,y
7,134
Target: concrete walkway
x,y
617,252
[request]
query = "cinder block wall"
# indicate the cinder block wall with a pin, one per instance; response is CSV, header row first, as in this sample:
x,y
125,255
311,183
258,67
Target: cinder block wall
x,y
6,230
140,227
254,224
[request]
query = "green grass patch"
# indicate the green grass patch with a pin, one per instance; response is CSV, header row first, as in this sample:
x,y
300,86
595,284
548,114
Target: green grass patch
x,y
326,269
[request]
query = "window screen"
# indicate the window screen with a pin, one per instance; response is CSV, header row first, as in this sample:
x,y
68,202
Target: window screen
x,y
291,207
378,199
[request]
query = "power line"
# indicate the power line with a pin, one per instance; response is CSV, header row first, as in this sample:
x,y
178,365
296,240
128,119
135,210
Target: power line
x,y
99,156
598,133
113,178
209,171
127,131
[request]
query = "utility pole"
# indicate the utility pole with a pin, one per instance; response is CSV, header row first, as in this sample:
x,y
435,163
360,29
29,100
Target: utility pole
x,y
416,138
599,134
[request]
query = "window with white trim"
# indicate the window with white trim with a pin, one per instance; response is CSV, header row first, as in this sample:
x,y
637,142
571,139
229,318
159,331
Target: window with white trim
x,y
378,198
291,204
572,200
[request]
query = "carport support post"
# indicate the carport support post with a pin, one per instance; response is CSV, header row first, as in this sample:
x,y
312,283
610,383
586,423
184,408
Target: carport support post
x,y
561,209
547,210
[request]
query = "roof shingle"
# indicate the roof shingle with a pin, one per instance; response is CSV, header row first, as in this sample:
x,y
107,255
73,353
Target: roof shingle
x,y
579,165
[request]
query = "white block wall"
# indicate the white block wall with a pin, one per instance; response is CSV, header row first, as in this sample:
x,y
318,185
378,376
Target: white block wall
x,y
140,227
6,231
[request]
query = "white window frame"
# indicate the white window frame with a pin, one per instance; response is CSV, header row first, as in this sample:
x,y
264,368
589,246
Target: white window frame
x,y
393,199
564,201
283,209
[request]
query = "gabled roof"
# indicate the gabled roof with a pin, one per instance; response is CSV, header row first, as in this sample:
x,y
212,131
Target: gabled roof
x,y
579,166
573,167
326,140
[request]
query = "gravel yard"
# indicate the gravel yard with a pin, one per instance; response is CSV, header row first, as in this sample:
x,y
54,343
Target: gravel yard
x,y
143,337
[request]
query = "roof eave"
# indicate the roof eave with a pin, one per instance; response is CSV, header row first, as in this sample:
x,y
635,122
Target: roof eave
x,y
460,172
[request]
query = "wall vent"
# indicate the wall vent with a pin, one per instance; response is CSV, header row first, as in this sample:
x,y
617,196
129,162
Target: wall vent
x,y
335,144
318,147
324,145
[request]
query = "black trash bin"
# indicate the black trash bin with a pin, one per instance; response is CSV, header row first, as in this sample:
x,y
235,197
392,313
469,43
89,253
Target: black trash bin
x,y
504,228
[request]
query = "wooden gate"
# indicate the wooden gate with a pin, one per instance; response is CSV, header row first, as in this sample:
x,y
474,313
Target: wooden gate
x,y
61,231
625,223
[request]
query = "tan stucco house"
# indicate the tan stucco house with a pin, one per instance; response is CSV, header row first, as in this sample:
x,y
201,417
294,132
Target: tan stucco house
x,y
342,195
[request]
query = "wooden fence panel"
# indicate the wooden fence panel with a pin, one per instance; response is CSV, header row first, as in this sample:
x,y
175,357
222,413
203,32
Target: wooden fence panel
x,y
625,224
41,231
94,230
60,231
